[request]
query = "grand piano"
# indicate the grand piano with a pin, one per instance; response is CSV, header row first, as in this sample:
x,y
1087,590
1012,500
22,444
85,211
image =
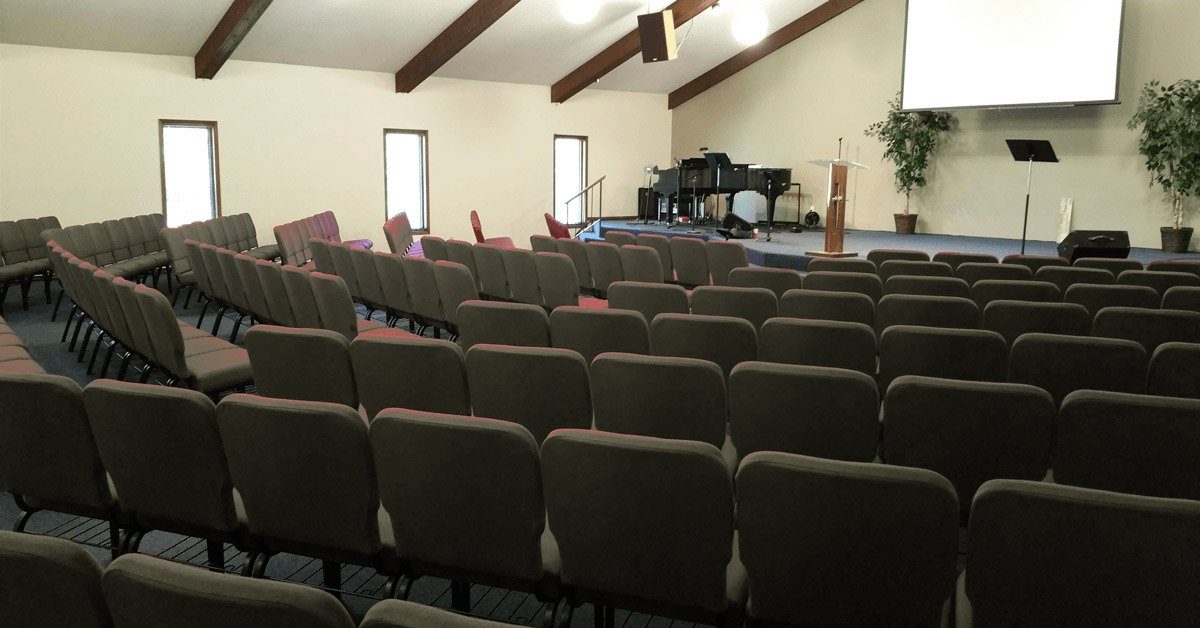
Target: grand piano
x,y
682,187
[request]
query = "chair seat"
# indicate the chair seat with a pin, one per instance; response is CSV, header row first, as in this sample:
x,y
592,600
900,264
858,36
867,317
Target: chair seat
x,y
13,353
190,332
193,347
20,367
10,340
359,244
220,370
365,326
267,252
138,265
20,270
592,303
502,242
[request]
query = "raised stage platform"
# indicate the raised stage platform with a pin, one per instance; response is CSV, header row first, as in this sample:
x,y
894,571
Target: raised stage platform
x,y
786,249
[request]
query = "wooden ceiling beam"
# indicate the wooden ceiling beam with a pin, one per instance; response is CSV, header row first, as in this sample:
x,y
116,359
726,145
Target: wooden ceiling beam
x,y
623,50
469,26
228,35
780,38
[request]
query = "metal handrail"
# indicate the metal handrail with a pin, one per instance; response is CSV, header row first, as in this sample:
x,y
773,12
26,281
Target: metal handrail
x,y
586,190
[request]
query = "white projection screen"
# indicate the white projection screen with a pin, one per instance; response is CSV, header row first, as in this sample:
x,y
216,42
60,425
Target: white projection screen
x,y
1011,53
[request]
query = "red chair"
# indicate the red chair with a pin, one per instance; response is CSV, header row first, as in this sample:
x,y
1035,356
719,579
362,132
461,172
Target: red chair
x,y
557,229
478,228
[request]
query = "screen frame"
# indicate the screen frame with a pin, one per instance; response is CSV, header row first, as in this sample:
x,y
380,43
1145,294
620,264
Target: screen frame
x,y
1116,100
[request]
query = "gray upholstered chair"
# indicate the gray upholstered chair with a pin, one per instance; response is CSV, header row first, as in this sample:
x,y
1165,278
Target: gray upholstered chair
x,y
465,496
879,256
542,243
1161,281
1175,370
402,614
1182,298
336,307
540,388
1096,298
301,364
842,265
777,280
968,432
862,283
493,279
648,299
270,277
209,365
832,543
370,287
455,286
723,257
1013,318
909,268
1046,555
640,263
522,276
661,244
398,232
397,371
691,261
850,307
461,252
49,582
640,487
434,248
967,354
239,302
927,286
724,340
423,291
516,324
1189,266
925,311
256,296
810,410
619,238
985,291
956,259
591,332
752,304
604,261
300,294
146,592
1150,328
1115,266
577,251
1063,364
1128,444
557,280
396,298
306,476
835,344
322,256
972,272
1035,262
162,449
1066,276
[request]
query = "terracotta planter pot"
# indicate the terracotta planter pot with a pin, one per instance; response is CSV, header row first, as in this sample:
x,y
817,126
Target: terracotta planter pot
x,y
906,224
1176,240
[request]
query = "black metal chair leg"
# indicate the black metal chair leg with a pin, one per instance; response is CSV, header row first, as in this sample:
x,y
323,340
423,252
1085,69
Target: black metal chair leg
x,y
70,319
145,377
46,285
75,336
26,284
83,347
57,303
237,326
124,366
460,596
331,573
203,312
248,567
187,299
220,316
96,352
112,348
260,568
403,588
114,538
216,555
26,513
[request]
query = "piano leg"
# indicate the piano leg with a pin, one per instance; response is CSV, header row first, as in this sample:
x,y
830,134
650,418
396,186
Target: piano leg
x,y
771,200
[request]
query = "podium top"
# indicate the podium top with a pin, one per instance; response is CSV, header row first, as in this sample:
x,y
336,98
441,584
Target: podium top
x,y
825,163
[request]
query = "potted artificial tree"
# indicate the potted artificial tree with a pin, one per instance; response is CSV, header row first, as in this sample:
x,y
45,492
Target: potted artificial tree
x,y
1170,120
909,140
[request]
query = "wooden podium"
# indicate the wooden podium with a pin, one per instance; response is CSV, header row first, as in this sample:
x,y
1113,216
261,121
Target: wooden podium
x,y
835,214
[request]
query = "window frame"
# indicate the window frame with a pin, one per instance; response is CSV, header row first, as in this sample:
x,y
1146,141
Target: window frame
x,y
211,125
424,134
587,164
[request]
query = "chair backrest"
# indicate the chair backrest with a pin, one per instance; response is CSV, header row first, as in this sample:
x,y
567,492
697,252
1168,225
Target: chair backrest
x,y
1175,266
649,299
423,288
47,451
640,263
879,256
591,332
822,546
477,227
558,282
434,248
305,474
604,262
139,330
968,354
166,337
985,291
300,294
619,238
972,272
862,283
1148,327
455,286
541,388
1113,265
301,364
927,286
270,278
403,614
1161,281
493,279
465,494
1128,444
216,273
692,408
522,276
370,286
514,324
322,256
1049,555
233,280
334,304
777,280
49,582
842,265
640,486
968,432
1096,298
577,251
434,374
1035,262
850,307
723,257
752,304
835,344
909,309
956,259
1182,298
255,296
724,340
690,260
542,243
398,232
393,283
146,592
1066,276
810,410
557,229
1063,364
1013,318
462,252
1173,370
909,268
662,244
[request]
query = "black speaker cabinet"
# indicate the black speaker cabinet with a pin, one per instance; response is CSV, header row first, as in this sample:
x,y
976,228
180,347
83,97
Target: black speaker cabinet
x,y
1079,244
657,32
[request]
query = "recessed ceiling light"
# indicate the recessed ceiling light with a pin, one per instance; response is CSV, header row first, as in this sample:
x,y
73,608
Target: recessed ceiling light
x,y
749,25
579,11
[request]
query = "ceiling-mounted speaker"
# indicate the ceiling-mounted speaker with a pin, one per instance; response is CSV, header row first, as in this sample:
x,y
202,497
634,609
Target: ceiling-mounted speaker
x,y
657,32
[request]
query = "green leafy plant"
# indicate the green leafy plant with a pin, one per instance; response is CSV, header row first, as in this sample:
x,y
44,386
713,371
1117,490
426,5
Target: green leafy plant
x,y
1169,117
909,141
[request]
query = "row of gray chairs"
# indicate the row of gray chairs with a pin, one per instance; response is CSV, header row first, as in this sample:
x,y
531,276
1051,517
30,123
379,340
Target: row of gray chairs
x,y
140,323
55,582
23,256
14,357
128,247
1034,263
236,233
294,238
688,261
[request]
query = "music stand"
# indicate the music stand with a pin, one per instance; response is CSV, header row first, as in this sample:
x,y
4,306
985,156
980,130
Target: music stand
x,y
1031,151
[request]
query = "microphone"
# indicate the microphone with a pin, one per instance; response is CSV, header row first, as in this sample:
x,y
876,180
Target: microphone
x,y
703,149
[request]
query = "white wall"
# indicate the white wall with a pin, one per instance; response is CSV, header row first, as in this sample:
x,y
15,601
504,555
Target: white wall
x,y
80,140
835,81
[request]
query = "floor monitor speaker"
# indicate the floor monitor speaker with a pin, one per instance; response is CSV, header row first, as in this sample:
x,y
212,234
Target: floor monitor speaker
x,y
1079,244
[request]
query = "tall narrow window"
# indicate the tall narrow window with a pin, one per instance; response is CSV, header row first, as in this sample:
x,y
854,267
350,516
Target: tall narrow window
x,y
570,177
406,175
191,180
